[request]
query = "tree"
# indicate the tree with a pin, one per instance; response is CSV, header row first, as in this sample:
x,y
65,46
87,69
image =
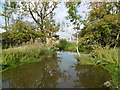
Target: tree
x,y
102,25
9,8
21,32
40,11
74,17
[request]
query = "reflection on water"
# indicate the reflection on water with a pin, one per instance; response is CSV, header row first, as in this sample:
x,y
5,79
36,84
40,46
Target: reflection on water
x,y
55,72
35,75
91,76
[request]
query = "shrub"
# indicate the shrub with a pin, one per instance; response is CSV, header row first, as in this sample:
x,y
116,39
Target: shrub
x,y
21,32
85,47
25,54
72,49
62,44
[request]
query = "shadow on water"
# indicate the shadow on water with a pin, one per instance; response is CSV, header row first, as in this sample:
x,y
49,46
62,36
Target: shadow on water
x,y
55,72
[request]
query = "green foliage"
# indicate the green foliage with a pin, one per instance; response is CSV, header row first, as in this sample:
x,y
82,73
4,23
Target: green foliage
x,y
71,46
44,12
44,20
71,49
9,8
73,16
102,24
13,57
66,46
20,32
106,55
62,44
85,47
108,59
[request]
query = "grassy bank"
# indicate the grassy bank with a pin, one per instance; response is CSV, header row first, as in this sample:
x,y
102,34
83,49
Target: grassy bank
x,y
66,46
71,46
14,57
106,58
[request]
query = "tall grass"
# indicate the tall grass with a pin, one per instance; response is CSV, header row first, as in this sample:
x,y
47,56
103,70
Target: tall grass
x,y
108,55
108,59
25,54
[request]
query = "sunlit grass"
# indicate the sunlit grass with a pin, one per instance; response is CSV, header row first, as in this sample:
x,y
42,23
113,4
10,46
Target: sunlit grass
x,y
13,57
108,55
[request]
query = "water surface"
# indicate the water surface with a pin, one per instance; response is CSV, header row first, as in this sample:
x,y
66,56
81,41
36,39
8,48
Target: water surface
x,y
55,72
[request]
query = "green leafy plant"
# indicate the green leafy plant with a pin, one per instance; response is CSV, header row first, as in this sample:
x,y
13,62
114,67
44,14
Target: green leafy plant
x,y
13,57
62,44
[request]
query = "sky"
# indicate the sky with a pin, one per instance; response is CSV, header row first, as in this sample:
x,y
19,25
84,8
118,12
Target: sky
x,y
1,19
61,13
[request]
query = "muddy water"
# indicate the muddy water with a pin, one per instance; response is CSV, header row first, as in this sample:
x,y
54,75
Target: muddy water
x,y
55,72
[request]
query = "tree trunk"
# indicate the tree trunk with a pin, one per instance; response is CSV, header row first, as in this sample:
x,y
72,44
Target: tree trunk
x,y
117,40
77,46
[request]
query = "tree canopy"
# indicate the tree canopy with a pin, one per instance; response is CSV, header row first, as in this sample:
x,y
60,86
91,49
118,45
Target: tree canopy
x,y
102,25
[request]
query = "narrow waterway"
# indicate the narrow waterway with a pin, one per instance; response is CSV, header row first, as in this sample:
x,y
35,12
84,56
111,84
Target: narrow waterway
x,y
61,71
